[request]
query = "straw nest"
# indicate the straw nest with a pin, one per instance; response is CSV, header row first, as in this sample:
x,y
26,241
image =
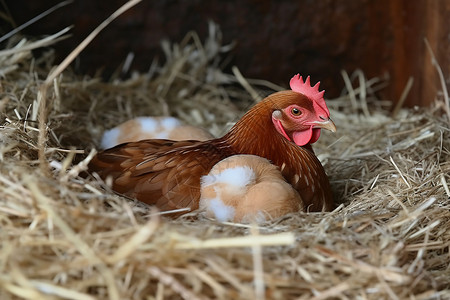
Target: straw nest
x,y
65,236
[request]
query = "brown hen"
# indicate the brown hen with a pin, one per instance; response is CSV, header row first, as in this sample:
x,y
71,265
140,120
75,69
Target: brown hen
x,y
280,128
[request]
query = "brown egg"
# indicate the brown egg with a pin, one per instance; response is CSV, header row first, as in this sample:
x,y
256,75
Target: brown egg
x,y
142,128
246,188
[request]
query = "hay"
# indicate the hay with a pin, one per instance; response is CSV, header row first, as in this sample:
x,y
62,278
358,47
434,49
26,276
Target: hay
x,y
64,236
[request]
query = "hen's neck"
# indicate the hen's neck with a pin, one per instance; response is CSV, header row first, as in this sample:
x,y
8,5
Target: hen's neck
x,y
254,131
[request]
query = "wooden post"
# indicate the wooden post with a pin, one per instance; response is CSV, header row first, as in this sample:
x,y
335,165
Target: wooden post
x,y
414,21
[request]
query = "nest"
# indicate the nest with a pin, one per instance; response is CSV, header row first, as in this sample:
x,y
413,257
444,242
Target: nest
x,y
66,236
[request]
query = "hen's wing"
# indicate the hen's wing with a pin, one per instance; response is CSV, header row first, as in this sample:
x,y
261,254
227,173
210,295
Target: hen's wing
x,y
160,172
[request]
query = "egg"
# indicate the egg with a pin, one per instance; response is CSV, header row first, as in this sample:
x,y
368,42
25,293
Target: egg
x,y
142,128
247,188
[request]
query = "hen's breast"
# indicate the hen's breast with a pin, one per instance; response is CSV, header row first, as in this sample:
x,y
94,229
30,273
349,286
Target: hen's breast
x,y
303,170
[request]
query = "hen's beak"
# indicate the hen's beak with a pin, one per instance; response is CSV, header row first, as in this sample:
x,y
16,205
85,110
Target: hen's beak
x,y
328,124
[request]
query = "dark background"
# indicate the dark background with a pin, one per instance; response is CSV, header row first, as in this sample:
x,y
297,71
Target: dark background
x,y
274,39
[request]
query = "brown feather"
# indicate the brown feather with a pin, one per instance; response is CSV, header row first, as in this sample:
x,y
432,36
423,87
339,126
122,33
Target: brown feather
x,y
167,173
160,172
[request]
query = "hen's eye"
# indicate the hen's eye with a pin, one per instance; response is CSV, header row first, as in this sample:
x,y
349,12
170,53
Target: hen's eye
x,y
296,112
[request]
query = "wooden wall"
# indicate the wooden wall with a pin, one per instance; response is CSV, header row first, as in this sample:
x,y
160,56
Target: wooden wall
x,y
274,39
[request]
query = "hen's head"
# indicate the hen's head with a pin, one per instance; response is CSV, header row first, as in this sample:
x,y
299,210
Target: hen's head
x,y
300,114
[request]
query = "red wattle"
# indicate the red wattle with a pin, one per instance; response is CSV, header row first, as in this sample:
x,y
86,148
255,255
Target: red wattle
x,y
315,135
308,136
301,138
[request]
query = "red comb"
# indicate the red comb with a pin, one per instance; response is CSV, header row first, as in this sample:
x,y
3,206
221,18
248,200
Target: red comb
x,y
312,92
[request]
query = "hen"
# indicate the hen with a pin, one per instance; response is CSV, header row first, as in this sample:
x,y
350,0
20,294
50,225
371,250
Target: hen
x,y
280,128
